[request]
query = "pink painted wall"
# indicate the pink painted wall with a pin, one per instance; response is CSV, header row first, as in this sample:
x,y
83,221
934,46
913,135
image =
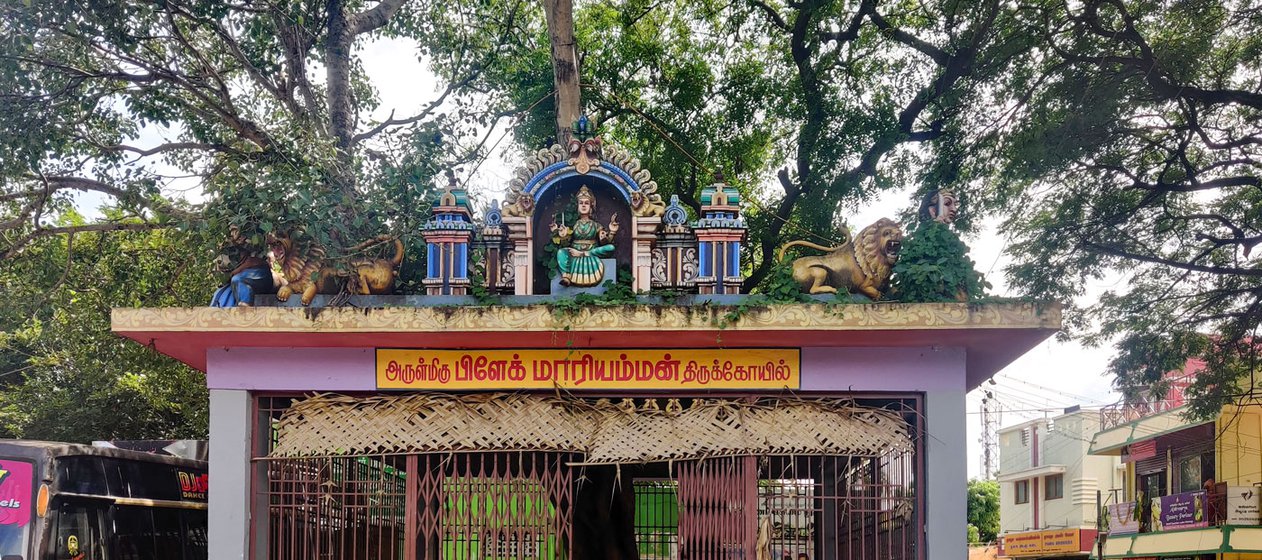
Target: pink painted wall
x,y
882,369
291,369
351,369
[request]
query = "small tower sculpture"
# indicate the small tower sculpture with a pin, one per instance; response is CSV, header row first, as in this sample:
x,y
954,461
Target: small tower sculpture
x,y
448,234
499,257
675,253
720,233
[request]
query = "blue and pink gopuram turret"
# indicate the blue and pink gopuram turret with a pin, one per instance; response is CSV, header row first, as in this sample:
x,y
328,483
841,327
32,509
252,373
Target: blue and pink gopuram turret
x,y
448,234
720,233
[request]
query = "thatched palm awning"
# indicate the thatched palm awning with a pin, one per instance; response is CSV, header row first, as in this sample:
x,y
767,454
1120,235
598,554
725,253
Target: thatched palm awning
x,y
604,432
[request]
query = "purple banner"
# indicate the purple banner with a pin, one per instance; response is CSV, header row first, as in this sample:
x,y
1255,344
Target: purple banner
x,y
1179,511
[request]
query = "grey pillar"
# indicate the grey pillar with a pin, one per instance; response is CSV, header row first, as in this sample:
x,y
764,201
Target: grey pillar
x,y
946,474
230,474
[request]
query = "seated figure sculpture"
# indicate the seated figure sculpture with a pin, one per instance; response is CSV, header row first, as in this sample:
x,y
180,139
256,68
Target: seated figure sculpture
x,y
581,247
250,274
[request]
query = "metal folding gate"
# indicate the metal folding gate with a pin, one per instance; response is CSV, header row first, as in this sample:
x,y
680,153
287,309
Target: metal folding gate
x,y
521,504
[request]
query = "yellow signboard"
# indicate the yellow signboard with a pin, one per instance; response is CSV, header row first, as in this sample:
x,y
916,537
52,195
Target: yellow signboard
x,y
1042,542
618,369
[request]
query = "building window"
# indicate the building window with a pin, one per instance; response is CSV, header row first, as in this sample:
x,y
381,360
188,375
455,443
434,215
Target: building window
x,y
1022,488
1153,485
1054,487
1194,471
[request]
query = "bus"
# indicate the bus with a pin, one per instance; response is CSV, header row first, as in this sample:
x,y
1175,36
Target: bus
x,y
61,501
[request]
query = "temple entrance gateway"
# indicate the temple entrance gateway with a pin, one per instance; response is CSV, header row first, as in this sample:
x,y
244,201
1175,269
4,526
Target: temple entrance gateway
x,y
500,416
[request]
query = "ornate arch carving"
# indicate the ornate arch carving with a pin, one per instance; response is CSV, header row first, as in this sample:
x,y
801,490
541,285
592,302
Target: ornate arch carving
x,y
612,163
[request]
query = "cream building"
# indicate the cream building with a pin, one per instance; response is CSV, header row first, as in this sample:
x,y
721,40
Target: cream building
x,y
1048,485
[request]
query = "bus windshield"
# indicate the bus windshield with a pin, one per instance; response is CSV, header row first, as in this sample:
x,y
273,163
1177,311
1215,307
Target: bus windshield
x,y
17,481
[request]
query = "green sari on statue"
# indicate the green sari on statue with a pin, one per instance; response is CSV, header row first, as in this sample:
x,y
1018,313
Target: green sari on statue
x,y
580,262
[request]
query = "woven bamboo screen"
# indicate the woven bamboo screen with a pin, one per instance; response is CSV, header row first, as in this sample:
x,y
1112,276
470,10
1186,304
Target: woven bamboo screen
x,y
605,432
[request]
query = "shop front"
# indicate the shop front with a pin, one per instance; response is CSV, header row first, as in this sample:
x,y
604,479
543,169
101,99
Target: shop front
x,y
1193,486
1051,543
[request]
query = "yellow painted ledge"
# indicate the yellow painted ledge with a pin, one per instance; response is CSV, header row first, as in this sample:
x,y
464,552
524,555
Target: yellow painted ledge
x,y
1186,542
854,317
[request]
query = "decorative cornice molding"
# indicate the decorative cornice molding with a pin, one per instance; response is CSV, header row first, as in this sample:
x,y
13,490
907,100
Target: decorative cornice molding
x,y
791,317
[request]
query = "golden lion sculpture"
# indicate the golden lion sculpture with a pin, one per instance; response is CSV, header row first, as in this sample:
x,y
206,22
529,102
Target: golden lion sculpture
x,y
305,274
865,269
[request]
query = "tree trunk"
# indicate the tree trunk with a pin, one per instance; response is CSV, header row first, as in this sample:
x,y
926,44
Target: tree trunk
x,y
341,114
560,16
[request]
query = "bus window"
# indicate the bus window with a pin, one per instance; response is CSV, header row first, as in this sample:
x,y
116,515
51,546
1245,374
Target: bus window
x,y
78,534
196,546
144,533
167,537
16,493
133,534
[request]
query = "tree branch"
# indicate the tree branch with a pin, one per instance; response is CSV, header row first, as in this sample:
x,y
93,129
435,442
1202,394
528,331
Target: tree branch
x,y
938,55
1119,252
168,147
375,17
773,16
38,233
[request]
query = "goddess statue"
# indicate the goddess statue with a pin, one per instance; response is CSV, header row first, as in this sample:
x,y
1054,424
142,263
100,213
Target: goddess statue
x,y
940,206
582,246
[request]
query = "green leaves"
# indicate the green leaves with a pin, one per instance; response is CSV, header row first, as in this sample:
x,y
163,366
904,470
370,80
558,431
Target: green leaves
x,y
983,511
63,374
1132,166
933,266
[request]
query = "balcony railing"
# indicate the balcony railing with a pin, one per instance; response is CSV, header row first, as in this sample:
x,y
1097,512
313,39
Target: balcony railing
x,y
1114,415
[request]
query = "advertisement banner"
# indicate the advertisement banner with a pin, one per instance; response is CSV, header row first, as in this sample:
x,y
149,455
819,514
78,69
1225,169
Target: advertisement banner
x,y
17,479
1243,505
617,369
1179,511
1123,519
1042,542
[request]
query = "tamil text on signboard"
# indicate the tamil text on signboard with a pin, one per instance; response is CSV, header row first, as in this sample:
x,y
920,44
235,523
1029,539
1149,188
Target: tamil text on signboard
x,y
739,368
1042,542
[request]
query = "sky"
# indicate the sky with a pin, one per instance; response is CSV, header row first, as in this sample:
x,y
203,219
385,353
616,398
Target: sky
x,y
1052,376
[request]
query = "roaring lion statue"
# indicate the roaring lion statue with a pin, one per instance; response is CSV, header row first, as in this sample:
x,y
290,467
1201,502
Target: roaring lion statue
x,y
865,269
305,274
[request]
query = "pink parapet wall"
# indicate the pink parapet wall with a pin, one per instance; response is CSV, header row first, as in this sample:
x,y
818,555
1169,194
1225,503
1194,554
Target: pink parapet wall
x,y
883,369
291,369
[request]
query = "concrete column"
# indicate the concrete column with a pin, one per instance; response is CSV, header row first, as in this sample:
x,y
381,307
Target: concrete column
x,y
230,474
519,234
644,235
946,487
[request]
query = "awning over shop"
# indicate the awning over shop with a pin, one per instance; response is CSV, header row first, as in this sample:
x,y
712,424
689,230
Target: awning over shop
x,y
604,432
1111,442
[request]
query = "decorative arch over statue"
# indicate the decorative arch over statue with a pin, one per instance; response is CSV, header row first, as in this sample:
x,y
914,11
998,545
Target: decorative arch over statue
x,y
589,162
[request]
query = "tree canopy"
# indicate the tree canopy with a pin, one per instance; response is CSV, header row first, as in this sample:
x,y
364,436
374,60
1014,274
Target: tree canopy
x,y
1109,137
983,510
1136,152
66,376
